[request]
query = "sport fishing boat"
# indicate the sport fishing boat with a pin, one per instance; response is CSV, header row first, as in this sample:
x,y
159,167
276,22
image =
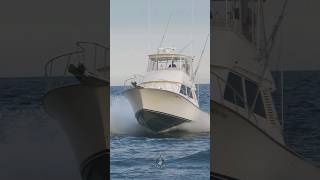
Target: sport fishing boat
x,y
77,97
248,140
166,96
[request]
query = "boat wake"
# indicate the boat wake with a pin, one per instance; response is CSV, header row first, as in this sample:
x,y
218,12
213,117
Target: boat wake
x,y
123,121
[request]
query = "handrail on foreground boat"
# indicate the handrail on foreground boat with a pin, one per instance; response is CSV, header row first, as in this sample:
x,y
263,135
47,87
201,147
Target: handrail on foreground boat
x,y
134,79
57,68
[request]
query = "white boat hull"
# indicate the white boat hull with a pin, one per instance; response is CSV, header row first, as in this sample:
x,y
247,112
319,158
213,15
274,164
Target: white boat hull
x,y
82,111
243,151
161,110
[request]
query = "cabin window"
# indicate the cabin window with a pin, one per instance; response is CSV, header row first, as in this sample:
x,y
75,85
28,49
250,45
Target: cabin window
x,y
234,90
170,63
237,13
251,91
183,90
189,92
162,64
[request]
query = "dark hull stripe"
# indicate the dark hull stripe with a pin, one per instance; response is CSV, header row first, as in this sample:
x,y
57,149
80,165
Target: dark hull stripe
x,y
216,176
158,121
98,163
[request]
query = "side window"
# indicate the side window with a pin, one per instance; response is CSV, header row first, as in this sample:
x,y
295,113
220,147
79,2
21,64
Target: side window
x,y
259,108
183,90
189,92
237,13
251,90
234,90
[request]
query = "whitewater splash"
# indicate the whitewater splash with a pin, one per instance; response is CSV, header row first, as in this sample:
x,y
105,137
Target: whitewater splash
x,y
123,120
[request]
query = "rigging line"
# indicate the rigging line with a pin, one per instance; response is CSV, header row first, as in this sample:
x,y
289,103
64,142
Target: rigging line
x,y
185,47
165,32
267,51
148,25
281,78
192,24
271,39
263,27
205,44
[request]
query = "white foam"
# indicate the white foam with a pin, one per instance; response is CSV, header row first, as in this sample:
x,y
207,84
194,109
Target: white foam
x,y
122,119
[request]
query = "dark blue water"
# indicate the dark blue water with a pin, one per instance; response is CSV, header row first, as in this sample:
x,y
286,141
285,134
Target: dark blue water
x,y
32,145
301,109
186,153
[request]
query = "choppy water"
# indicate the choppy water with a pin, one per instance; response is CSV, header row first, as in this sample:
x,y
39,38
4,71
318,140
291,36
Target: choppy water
x,y
33,146
134,151
301,111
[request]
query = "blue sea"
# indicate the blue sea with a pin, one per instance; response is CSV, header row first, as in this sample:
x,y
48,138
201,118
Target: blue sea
x,y
33,146
135,151
301,110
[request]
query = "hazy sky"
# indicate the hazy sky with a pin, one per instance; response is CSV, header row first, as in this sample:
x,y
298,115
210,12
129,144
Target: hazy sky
x,y
297,45
137,28
299,35
33,31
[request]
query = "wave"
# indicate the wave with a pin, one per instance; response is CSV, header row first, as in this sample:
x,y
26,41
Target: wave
x,y
199,157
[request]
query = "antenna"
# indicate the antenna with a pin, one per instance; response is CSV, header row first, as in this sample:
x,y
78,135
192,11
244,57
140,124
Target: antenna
x,y
205,44
165,32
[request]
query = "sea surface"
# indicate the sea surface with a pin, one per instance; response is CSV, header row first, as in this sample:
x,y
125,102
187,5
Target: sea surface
x,y
134,151
301,111
33,146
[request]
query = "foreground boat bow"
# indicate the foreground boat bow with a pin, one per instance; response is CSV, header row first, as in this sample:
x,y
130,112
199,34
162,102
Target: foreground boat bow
x,y
78,99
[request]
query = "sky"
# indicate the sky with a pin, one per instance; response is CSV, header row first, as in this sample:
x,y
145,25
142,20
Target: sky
x,y
298,36
137,28
31,32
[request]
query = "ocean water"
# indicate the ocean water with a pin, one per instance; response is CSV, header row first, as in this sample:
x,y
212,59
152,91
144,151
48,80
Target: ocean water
x,y
301,110
134,151
33,146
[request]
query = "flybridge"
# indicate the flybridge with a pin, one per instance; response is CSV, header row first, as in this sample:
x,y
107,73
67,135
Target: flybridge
x,y
242,16
162,52
168,59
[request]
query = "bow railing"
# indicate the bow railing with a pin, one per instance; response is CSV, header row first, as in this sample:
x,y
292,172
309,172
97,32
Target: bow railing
x,y
92,56
133,80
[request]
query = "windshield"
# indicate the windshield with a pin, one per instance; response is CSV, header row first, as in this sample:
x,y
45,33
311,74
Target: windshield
x,y
170,63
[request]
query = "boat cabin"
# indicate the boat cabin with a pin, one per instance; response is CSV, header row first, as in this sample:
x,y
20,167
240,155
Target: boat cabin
x,y
171,71
168,59
247,96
